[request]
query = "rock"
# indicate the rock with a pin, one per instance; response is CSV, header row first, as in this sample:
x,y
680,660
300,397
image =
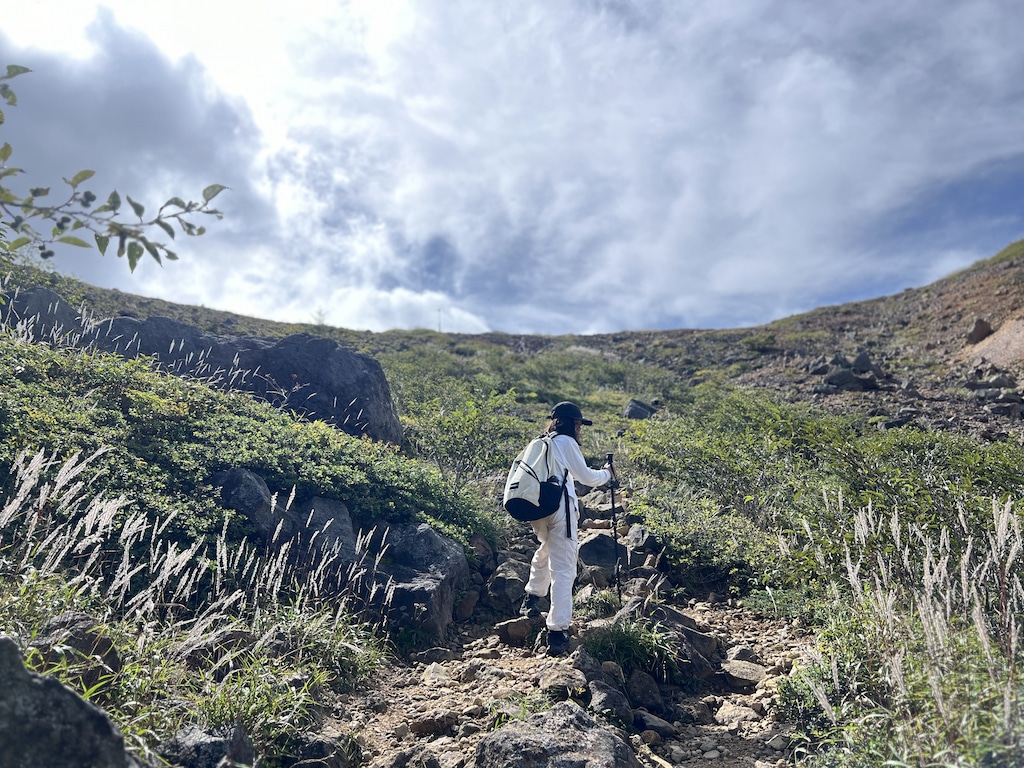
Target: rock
x,y
642,690
434,655
197,748
433,724
417,757
636,409
600,549
42,723
741,653
319,524
78,640
697,712
563,736
561,682
466,604
645,721
610,703
514,631
311,375
587,664
426,571
694,647
244,491
730,713
46,315
507,585
741,675
982,329
778,742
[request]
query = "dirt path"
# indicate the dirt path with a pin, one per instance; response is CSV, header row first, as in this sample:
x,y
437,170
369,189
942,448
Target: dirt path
x,y
447,699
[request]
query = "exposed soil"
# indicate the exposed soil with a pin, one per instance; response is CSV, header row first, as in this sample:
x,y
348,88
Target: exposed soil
x,y
448,699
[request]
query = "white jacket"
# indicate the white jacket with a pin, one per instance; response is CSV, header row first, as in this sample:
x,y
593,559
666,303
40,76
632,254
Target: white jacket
x,y
567,454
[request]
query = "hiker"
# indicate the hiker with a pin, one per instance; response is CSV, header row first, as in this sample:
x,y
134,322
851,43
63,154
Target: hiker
x,y
554,563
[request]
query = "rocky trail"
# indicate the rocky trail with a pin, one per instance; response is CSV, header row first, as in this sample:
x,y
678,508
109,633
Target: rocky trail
x,y
491,697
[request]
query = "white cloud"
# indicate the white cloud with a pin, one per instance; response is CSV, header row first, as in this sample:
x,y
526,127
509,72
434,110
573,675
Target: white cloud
x,y
564,167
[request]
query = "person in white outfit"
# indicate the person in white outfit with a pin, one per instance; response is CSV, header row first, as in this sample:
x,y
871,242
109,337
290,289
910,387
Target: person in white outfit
x,y
553,567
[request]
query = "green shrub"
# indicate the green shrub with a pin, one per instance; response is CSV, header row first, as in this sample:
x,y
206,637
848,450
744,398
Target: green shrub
x,y
638,645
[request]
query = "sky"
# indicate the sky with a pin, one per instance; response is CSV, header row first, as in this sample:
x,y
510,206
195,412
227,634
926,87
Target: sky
x,y
537,166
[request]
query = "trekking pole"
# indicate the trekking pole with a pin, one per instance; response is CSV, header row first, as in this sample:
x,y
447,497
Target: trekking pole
x,y
615,530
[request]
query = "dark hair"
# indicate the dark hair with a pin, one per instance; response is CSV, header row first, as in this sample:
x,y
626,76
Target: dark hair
x,y
563,426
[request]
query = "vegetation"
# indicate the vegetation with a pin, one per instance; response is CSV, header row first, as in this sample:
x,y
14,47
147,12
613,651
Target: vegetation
x,y
902,546
209,634
905,543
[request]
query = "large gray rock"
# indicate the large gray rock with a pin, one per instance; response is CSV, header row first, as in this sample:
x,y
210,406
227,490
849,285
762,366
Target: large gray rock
x,y
317,525
196,748
42,723
417,576
310,375
565,735
507,585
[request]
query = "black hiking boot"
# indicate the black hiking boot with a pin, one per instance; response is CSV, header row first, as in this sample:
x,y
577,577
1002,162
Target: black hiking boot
x,y
558,642
531,606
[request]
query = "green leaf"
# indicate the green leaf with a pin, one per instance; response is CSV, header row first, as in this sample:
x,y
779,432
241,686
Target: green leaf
x,y
165,227
5,152
170,255
1,117
18,243
72,240
152,250
212,191
176,201
79,177
134,254
39,191
13,70
8,95
139,208
102,241
113,202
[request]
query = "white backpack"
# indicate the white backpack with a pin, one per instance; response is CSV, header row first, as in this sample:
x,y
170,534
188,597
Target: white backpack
x,y
533,489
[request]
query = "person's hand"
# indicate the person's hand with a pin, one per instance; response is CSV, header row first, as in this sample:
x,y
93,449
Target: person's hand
x,y
611,469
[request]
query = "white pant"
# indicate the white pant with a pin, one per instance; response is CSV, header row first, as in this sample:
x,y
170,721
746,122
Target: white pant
x,y
554,566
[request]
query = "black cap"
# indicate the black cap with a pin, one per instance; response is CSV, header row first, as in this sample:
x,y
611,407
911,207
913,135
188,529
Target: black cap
x,y
567,410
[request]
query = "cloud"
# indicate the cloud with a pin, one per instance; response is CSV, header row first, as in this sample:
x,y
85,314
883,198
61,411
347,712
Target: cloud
x,y
150,128
564,167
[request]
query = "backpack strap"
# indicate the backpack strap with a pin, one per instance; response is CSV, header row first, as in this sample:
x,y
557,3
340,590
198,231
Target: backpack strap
x,y
565,496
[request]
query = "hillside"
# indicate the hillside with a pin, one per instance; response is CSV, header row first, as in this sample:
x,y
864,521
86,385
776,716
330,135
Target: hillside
x,y
918,339
753,516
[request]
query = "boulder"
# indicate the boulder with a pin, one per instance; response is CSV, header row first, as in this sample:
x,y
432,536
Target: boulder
x,y
79,642
742,675
507,585
564,735
321,524
197,748
982,330
600,549
636,409
642,690
610,703
422,574
311,375
42,723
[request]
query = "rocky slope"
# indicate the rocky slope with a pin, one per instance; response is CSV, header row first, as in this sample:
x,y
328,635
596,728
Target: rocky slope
x,y
447,706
